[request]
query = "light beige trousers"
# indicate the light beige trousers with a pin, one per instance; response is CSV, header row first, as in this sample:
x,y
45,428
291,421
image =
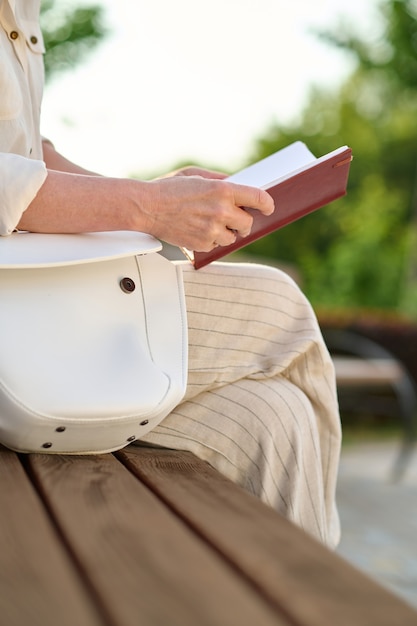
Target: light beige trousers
x,y
261,402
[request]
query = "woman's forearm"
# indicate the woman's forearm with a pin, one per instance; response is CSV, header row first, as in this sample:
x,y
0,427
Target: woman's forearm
x,y
190,211
71,203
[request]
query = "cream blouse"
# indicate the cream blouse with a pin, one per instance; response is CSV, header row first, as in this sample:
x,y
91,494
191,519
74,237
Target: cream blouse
x,y
22,170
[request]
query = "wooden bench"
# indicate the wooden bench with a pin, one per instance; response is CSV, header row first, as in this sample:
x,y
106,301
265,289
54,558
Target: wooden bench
x,y
356,372
155,537
364,371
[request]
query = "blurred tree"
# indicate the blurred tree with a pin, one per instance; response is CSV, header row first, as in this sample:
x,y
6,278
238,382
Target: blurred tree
x,y
354,252
69,33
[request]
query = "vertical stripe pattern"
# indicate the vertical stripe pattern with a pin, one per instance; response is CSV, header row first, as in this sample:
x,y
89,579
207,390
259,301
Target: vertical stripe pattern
x,y
261,403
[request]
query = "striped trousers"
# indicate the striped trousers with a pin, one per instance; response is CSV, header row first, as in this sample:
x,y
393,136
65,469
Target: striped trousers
x,y
261,403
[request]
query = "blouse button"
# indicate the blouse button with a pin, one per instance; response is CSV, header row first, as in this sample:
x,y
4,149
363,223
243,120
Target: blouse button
x,y
14,34
34,39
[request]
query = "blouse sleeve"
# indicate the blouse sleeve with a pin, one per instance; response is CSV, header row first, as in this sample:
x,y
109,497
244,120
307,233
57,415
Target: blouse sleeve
x,y
20,181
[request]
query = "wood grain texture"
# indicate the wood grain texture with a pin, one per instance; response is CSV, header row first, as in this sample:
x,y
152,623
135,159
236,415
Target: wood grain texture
x,y
302,579
39,585
158,538
144,564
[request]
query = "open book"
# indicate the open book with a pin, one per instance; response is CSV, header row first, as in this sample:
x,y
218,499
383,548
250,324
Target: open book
x,y
299,184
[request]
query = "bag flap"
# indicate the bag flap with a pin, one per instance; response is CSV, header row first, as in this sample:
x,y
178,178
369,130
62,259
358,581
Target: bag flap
x,y
29,250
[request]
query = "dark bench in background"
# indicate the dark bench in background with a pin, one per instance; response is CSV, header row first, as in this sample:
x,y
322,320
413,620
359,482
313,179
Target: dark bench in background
x,y
364,371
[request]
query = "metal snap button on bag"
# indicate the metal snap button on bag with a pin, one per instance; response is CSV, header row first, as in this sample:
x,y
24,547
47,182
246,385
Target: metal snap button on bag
x,y
93,340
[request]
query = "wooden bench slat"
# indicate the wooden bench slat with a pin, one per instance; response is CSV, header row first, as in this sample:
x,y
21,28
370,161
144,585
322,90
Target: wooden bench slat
x,y
38,582
311,585
143,562
352,371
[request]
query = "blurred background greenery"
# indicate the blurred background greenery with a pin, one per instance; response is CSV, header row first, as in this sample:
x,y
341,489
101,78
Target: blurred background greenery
x,y
360,251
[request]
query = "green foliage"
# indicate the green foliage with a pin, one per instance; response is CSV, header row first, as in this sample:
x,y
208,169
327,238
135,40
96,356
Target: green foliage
x,y
395,51
69,33
356,251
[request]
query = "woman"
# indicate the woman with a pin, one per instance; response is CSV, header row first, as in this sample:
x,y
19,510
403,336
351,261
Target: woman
x,y
260,404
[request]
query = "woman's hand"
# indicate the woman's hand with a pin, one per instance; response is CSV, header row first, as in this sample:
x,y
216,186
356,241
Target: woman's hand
x,y
200,213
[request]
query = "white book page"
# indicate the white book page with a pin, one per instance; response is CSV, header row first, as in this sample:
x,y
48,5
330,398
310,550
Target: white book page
x,y
281,165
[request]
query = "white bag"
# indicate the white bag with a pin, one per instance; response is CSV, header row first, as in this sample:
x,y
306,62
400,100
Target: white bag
x,y
93,340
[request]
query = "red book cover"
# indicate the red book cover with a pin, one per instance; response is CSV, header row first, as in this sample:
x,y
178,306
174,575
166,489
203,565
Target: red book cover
x,y
301,184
